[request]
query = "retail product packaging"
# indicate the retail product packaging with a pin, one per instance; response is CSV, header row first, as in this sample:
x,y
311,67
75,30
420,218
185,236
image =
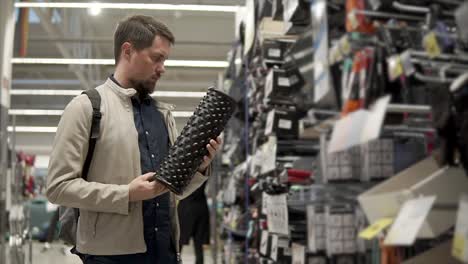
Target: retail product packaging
x,y
271,29
424,178
284,124
282,83
377,159
273,51
437,255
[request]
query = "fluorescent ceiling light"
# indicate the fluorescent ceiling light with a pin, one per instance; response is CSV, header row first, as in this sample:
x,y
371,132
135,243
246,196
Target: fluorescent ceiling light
x,y
44,112
45,92
35,112
141,6
175,94
33,129
94,10
168,63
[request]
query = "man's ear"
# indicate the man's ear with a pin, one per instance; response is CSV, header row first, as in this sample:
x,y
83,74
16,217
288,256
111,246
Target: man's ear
x,y
127,50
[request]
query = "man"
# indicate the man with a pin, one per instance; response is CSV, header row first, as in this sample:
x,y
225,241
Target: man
x,y
195,222
124,218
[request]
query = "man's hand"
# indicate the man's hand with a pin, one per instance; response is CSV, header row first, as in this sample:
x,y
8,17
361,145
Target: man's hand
x,y
213,148
142,189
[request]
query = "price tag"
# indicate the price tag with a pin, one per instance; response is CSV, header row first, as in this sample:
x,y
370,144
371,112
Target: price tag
x,y
395,68
283,81
298,254
408,66
277,214
274,248
409,221
373,230
285,124
353,21
264,203
345,46
311,228
431,45
264,243
276,53
460,245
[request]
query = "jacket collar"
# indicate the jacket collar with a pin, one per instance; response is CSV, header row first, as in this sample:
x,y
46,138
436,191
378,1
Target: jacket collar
x,y
121,92
130,92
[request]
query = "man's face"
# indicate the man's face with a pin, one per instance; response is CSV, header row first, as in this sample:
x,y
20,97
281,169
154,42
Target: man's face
x,y
147,65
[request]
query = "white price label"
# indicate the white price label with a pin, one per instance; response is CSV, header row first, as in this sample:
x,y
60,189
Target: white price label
x,y
311,228
409,221
298,254
274,248
285,124
460,240
277,214
276,53
283,81
264,243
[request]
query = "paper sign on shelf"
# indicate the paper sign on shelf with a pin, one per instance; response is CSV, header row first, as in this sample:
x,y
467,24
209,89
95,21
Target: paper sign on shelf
x,y
264,243
274,247
311,232
264,203
409,221
373,230
277,214
359,127
298,254
460,240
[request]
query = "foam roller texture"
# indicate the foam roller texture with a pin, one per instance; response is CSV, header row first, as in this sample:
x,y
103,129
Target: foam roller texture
x,y
186,155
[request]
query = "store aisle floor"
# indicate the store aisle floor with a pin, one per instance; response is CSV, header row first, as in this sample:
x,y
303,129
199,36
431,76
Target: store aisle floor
x,y
58,254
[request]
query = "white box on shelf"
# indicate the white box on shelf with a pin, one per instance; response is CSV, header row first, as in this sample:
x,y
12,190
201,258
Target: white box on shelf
x,y
349,233
335,220
349,247
348,219
422,179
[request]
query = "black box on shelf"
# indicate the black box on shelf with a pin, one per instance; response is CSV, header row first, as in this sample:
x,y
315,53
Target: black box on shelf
x,y
273,51
295,29
282,123
283,83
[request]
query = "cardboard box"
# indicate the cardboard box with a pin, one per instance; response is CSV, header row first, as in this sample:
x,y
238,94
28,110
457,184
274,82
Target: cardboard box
x,y
273,51
422,179
284,124
438,255
270,29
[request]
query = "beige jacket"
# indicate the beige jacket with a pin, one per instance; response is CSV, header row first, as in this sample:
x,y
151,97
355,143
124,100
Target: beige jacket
x,y
109,224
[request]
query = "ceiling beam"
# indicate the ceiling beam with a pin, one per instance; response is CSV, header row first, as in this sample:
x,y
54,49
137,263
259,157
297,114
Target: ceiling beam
x,y
107,40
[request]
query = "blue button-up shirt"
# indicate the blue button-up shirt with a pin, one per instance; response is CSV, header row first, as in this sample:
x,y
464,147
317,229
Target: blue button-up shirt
x,y
153,141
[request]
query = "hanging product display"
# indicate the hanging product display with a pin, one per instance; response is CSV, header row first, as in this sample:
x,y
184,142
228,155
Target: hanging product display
x,y
350,109
186,155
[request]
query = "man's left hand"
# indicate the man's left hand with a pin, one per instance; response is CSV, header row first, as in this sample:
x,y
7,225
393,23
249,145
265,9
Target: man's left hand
x,y
213,147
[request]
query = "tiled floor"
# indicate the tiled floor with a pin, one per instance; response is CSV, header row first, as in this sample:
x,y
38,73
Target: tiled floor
x,y
58,254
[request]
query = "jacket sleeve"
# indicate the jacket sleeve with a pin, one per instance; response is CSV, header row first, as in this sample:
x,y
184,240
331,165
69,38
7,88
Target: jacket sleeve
x,y
64,183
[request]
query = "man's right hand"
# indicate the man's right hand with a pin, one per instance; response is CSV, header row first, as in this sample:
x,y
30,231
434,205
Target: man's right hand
x,y
142,189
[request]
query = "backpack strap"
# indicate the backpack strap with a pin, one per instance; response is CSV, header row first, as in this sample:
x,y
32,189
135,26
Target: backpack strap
x,y
95,99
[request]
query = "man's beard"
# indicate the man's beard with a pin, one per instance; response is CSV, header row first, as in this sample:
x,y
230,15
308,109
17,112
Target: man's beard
x,y
143,87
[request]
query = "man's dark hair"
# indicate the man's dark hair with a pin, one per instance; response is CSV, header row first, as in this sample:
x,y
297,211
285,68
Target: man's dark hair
x,y
140,31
